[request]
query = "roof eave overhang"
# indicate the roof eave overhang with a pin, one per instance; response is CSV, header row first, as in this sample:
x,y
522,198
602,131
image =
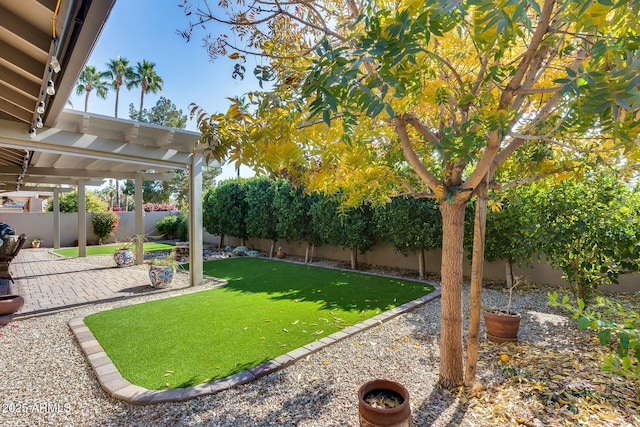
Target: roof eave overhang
x,y
84,22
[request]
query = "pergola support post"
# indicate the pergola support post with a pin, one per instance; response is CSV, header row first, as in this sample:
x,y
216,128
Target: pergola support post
x,y
195,220
56,217
139,217
82,219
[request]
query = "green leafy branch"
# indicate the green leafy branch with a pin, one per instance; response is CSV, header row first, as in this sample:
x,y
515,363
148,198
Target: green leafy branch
x,y
617,328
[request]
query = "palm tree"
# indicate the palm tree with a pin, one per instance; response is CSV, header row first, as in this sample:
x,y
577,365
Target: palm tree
x,y
121,72
91,79
146,77
128,189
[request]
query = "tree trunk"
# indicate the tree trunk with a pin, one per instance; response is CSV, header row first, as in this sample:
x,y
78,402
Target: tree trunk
x,y
451,349
508,271
421,274
118,193
141,101
86,101
273,248
475,300
221,242
126,202
306,254
117,99
354,258
313,249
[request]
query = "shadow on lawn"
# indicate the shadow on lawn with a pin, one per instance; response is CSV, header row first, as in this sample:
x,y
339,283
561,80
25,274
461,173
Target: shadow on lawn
x,y
214,376
347,290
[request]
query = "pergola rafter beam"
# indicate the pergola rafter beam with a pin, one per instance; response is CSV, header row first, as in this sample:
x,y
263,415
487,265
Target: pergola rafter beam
x,y
84,173
58,141
37,189
60,181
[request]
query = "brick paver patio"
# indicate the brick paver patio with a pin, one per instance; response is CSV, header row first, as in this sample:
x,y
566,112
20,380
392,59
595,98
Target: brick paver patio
x,y
50,283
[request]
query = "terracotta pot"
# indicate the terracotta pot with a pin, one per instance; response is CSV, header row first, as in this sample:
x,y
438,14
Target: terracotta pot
x,y
399,416
124,257
281,254
9,304
502,326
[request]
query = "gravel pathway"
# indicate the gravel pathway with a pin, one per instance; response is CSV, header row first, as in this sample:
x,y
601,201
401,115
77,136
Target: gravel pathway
x,y
46,381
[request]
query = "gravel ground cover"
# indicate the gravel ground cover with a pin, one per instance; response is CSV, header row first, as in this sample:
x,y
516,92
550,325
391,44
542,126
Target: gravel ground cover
x,y
551,378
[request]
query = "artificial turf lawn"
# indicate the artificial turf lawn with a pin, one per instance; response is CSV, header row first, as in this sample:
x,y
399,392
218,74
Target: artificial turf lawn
x,y
267,309
110,249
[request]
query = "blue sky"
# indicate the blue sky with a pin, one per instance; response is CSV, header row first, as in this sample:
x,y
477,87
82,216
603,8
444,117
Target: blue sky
x,y
147,29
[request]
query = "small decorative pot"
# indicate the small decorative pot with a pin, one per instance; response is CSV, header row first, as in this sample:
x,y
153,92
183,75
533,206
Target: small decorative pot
x,y
502,326
398,414
124,257
161,275
9,304
281,253
35,244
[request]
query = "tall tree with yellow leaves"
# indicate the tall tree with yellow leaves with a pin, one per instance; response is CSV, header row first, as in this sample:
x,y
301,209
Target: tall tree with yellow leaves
x,y
432,98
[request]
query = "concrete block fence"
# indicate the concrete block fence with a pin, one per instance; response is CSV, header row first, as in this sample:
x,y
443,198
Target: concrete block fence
x,y
385,255
40,225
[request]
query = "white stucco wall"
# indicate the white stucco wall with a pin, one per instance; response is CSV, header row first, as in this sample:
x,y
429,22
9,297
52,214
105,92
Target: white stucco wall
x,y
40,225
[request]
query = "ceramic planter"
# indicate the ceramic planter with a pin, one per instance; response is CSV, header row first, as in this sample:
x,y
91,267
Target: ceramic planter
x,y
502,326
380,416
124,257
161,275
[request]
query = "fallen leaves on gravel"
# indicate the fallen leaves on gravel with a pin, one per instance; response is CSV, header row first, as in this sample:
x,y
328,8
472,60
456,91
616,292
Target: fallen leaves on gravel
x,y
554,388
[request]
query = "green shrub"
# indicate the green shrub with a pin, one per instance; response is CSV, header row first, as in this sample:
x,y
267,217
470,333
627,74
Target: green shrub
x,y
105,224
589,229
183,229
169,225
69,203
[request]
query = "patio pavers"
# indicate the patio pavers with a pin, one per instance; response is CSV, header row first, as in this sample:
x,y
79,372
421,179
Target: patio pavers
x,y
50,283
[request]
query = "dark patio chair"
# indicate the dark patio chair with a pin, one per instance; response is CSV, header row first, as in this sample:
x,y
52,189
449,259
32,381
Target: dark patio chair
x,y
8,251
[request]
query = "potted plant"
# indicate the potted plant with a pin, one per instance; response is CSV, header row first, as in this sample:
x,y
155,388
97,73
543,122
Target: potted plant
x,y
384,403
161,271
35,243
124,256
9,304
503,325
280,253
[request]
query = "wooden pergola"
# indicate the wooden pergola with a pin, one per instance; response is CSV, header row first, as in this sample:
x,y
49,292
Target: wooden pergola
x,y
45,44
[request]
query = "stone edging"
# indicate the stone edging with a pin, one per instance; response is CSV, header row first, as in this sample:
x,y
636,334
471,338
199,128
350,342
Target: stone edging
x,y
119,388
